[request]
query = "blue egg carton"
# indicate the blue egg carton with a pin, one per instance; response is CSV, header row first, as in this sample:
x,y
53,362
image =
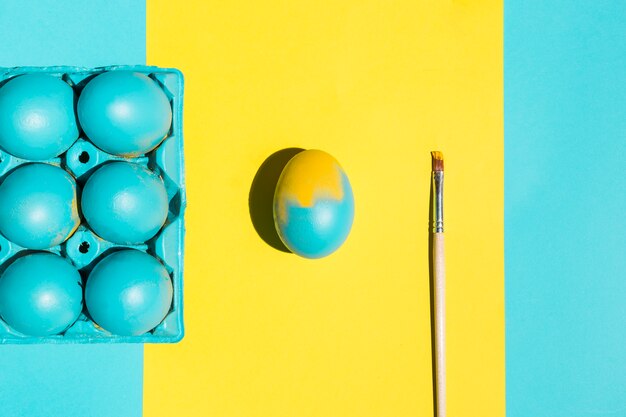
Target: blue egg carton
x,y
84,248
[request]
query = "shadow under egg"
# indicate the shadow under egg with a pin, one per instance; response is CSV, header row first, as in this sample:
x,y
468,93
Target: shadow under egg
x,y
261,196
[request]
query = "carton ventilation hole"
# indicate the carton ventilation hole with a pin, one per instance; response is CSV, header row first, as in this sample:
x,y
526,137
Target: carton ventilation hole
x,y
83,247
83,157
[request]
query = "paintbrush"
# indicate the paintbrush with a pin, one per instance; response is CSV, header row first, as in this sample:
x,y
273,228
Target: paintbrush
x,y
439,280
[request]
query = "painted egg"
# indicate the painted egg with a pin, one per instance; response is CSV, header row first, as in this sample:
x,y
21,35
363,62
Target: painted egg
x,y
124,113
128,293
40,294
37,118
38,206
125,203
313,205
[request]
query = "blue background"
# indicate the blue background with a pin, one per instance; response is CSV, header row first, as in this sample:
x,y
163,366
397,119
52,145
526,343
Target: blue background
x,y
565,200
71,380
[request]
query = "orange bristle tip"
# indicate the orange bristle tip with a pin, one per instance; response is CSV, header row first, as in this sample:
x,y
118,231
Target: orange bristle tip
x,y
437,160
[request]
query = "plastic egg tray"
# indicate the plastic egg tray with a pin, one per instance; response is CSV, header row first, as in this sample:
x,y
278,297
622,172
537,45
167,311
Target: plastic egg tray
x,y
84,248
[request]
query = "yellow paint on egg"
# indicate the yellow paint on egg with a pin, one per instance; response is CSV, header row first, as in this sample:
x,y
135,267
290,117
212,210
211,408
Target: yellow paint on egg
x,y
310,175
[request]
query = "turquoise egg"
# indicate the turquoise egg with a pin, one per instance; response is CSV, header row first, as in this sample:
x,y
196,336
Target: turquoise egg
x,y
38,206
40,294
128,293
37,118
125,203
313,205
124,113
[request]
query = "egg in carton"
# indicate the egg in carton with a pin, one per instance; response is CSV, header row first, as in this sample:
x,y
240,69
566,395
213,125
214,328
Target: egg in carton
x,y
88,239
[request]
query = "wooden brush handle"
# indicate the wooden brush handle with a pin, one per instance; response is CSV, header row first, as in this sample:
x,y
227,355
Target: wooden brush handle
x,y
440,322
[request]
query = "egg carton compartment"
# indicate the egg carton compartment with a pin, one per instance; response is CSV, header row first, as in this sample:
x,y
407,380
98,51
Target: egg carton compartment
x,y
84,248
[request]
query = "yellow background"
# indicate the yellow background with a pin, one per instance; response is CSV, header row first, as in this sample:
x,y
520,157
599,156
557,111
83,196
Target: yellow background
x,y
378,84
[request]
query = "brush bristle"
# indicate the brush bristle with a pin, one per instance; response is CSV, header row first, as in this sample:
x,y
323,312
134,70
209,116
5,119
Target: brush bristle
x,y
437,160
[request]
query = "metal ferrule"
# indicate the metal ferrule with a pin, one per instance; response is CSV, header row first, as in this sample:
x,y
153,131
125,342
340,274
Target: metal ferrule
x,y
437,186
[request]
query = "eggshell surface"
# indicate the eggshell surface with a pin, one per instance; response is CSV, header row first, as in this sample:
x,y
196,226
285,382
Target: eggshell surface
x,y
125,203
124,113
38,206
40,294
313,205
128,293
37,119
